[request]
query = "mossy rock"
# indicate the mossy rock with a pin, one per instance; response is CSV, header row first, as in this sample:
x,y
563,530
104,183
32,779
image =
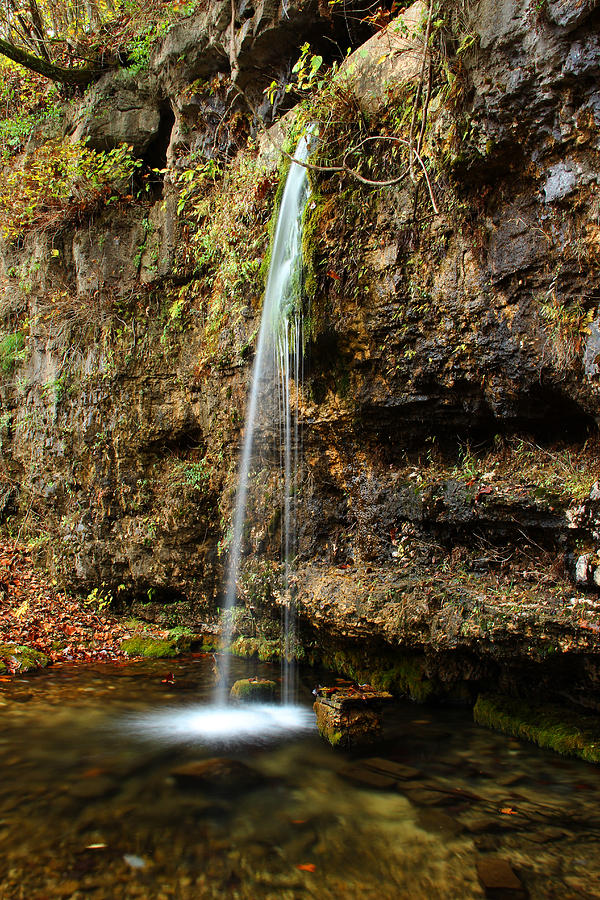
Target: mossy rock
x,y
246,647
150,648
211,643
386,671
19,659
266,650
549,726
185,639
347,728
253,690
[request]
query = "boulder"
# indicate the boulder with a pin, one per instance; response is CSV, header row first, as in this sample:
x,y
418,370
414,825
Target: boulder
x,y
118,111
257,690
349,716
17,659
347,728
217,773
390,58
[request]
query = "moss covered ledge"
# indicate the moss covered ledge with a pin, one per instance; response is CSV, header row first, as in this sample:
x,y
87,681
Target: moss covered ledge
x,y
150,648
549,726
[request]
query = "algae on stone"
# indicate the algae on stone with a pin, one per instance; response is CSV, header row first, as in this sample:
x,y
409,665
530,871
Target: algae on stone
x,y
185,639
266,650
547,725
253,690
19,659
345,728
150,648
387,671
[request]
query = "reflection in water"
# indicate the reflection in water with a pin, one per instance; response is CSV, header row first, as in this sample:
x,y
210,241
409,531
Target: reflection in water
x,y
94,809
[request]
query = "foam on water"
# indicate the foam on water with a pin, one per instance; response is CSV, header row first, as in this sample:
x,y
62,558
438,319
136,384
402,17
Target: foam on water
x,y
253,723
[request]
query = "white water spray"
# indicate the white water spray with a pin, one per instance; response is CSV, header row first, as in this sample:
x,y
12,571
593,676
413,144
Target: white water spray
x,y
277,362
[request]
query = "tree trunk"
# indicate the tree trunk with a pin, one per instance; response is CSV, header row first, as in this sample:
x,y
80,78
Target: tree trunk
x,y
72,77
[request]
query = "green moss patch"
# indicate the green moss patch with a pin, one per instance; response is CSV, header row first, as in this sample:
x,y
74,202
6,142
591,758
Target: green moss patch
x,y
185,639
402,675
211,643
266,650
150,648
17,659
259,690
548,726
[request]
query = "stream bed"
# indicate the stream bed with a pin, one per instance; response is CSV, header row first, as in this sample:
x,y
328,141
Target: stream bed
x,y
97,802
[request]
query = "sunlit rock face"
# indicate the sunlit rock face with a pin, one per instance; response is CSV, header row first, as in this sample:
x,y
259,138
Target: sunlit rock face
x,y
450,394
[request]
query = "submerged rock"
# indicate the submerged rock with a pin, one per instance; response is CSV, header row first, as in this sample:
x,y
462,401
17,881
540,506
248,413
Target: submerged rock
x,y
253,689
498,879
94,788
366,777
217,773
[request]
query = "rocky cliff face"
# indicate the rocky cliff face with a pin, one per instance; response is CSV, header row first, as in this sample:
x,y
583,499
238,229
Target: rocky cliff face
x,y
448,508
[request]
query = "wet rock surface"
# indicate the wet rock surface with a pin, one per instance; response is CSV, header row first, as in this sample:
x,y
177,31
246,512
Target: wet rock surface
x,y
499,880
451,383
253,690
218,774
350,715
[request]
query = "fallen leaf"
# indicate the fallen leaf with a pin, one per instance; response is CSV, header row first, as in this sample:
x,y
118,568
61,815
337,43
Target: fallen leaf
x,y
508,811
306,867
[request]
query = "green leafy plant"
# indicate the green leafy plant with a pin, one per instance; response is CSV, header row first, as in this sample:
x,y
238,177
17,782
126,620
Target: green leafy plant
x,y
27,101
567,324
12,351
60,183
226,214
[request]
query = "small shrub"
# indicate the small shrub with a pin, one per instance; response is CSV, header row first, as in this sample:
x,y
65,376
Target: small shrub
x,y
28,100
61,183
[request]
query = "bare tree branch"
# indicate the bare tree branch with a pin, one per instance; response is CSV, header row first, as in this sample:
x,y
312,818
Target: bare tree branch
x,y
344,168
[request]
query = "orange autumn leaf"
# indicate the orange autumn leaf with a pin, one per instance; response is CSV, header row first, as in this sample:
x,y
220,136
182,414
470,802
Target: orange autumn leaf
x,y
508,811
306,867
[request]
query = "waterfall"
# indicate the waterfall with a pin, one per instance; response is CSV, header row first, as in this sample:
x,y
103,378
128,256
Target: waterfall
x,y
277,365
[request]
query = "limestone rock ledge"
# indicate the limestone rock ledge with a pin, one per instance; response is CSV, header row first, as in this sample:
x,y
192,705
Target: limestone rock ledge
x,y
450,402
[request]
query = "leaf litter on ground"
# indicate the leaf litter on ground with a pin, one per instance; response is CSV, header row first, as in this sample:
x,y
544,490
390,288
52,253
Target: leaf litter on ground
x,y
35,614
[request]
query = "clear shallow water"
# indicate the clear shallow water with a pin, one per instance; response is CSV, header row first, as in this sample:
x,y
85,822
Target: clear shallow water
x,y
91,805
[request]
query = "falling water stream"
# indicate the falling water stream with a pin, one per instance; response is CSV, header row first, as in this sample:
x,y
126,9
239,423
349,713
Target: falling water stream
x,y
277,367
276,375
